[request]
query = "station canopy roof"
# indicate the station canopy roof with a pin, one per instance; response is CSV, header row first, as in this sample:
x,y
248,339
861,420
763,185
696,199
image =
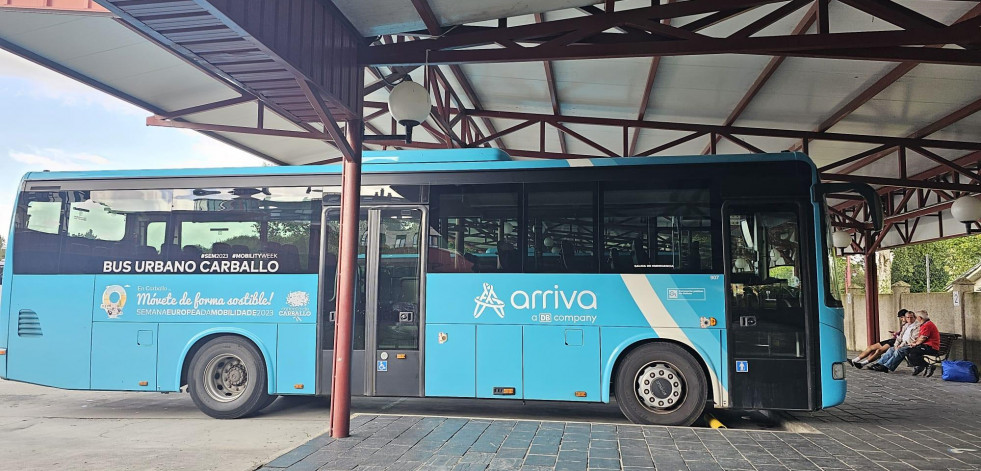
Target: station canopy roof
x,y
582,106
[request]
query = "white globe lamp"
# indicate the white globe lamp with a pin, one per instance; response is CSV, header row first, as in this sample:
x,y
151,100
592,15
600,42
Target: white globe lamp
x,y
966,209
408,102
841,239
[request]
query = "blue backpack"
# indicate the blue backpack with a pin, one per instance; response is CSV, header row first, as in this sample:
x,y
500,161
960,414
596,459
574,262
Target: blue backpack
x,y
960,370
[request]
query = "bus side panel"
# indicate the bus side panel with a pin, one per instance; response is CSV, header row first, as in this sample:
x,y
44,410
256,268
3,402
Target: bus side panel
x,y
124,355
561,361
177,339
832,351
499,355
6,285
450,361
296,360
51,330
708,344
5,317
831,326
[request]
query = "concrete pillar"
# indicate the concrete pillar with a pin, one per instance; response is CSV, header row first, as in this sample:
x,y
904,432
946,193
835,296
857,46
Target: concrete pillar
x,y
959,291
871,299
900,290
855,299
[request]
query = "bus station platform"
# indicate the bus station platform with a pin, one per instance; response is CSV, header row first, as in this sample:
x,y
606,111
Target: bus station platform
x,y
889,422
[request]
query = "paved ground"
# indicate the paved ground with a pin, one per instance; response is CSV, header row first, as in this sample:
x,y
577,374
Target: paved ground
x,y
889,422
47,428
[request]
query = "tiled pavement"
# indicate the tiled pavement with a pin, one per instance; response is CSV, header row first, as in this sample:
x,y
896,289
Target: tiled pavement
x,y
888,422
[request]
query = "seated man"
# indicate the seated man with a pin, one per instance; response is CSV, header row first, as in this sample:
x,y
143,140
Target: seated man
x,y
891,359
928,343
874,351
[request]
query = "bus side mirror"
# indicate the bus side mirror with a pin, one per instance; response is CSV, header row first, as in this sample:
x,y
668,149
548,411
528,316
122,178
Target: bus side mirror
x,y
867,192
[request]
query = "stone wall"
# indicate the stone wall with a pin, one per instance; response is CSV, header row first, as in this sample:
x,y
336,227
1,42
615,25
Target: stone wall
x,y
949,318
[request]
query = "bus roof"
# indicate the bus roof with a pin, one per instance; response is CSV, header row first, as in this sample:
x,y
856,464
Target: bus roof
x,y
441,160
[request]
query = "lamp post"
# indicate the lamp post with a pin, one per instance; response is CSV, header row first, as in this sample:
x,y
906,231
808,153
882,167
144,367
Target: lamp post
x,y
410,108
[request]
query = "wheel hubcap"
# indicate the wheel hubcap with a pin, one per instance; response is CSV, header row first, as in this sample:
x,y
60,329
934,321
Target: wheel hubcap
x,y
660,387
226,378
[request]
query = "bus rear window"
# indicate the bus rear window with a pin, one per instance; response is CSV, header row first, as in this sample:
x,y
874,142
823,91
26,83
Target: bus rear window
x,y
37,223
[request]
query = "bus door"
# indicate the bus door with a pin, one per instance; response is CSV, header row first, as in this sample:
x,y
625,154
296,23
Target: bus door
x,y
388,301
768,280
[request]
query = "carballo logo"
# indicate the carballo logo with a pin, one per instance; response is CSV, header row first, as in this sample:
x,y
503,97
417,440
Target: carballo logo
x,y
114,308
488,299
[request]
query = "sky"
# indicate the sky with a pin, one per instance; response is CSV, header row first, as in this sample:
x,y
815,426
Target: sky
x,y
51,122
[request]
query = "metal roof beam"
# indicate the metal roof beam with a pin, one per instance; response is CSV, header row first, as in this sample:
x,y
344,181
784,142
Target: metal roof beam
x,y
770,18
897,182
570,40
894,13
935,172
553,94
425,12
471,95
729,130
931,128
649,89
771,67
881,84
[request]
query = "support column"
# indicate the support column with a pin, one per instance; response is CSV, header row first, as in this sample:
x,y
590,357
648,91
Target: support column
x,y
871,298
962,286
340,389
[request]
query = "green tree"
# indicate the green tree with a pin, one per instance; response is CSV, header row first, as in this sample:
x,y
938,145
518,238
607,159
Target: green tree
x,y
949,259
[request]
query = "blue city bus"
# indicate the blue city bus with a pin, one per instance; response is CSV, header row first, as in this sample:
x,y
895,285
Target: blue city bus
x,y
668,283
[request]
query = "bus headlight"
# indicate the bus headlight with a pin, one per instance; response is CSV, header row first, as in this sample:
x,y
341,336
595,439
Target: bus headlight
x,y
838,370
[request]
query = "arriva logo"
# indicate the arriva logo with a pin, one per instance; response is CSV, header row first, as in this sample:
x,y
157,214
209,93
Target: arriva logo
x,y
539,299
488,299
553,299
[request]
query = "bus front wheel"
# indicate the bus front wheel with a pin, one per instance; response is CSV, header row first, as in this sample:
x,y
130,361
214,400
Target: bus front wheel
x,y
227,378
661,384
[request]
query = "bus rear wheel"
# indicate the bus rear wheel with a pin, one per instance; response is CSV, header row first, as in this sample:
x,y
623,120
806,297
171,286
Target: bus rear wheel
x,y
227,378
661,384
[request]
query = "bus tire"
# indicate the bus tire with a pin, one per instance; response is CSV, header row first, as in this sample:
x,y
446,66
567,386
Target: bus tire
x,y
227,378
661,383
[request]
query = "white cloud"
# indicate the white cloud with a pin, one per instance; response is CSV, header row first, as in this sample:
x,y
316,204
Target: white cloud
x,y
42,83
58,159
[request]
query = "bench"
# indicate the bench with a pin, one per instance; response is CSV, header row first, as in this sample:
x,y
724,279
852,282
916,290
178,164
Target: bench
x,y
946,342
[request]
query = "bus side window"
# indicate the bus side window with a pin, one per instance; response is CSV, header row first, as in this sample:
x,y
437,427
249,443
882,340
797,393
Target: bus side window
x,y
561,228
113,225
474,229
37,242
277,224
647,230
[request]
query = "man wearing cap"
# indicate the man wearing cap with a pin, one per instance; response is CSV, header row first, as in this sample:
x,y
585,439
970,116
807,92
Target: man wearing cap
x,y
928,343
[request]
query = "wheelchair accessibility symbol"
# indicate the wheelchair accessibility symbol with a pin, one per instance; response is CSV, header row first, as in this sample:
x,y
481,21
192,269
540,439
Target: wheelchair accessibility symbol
x,y
382,365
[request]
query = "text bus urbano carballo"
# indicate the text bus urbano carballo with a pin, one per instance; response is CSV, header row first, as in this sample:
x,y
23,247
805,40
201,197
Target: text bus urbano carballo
x,y
670,283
